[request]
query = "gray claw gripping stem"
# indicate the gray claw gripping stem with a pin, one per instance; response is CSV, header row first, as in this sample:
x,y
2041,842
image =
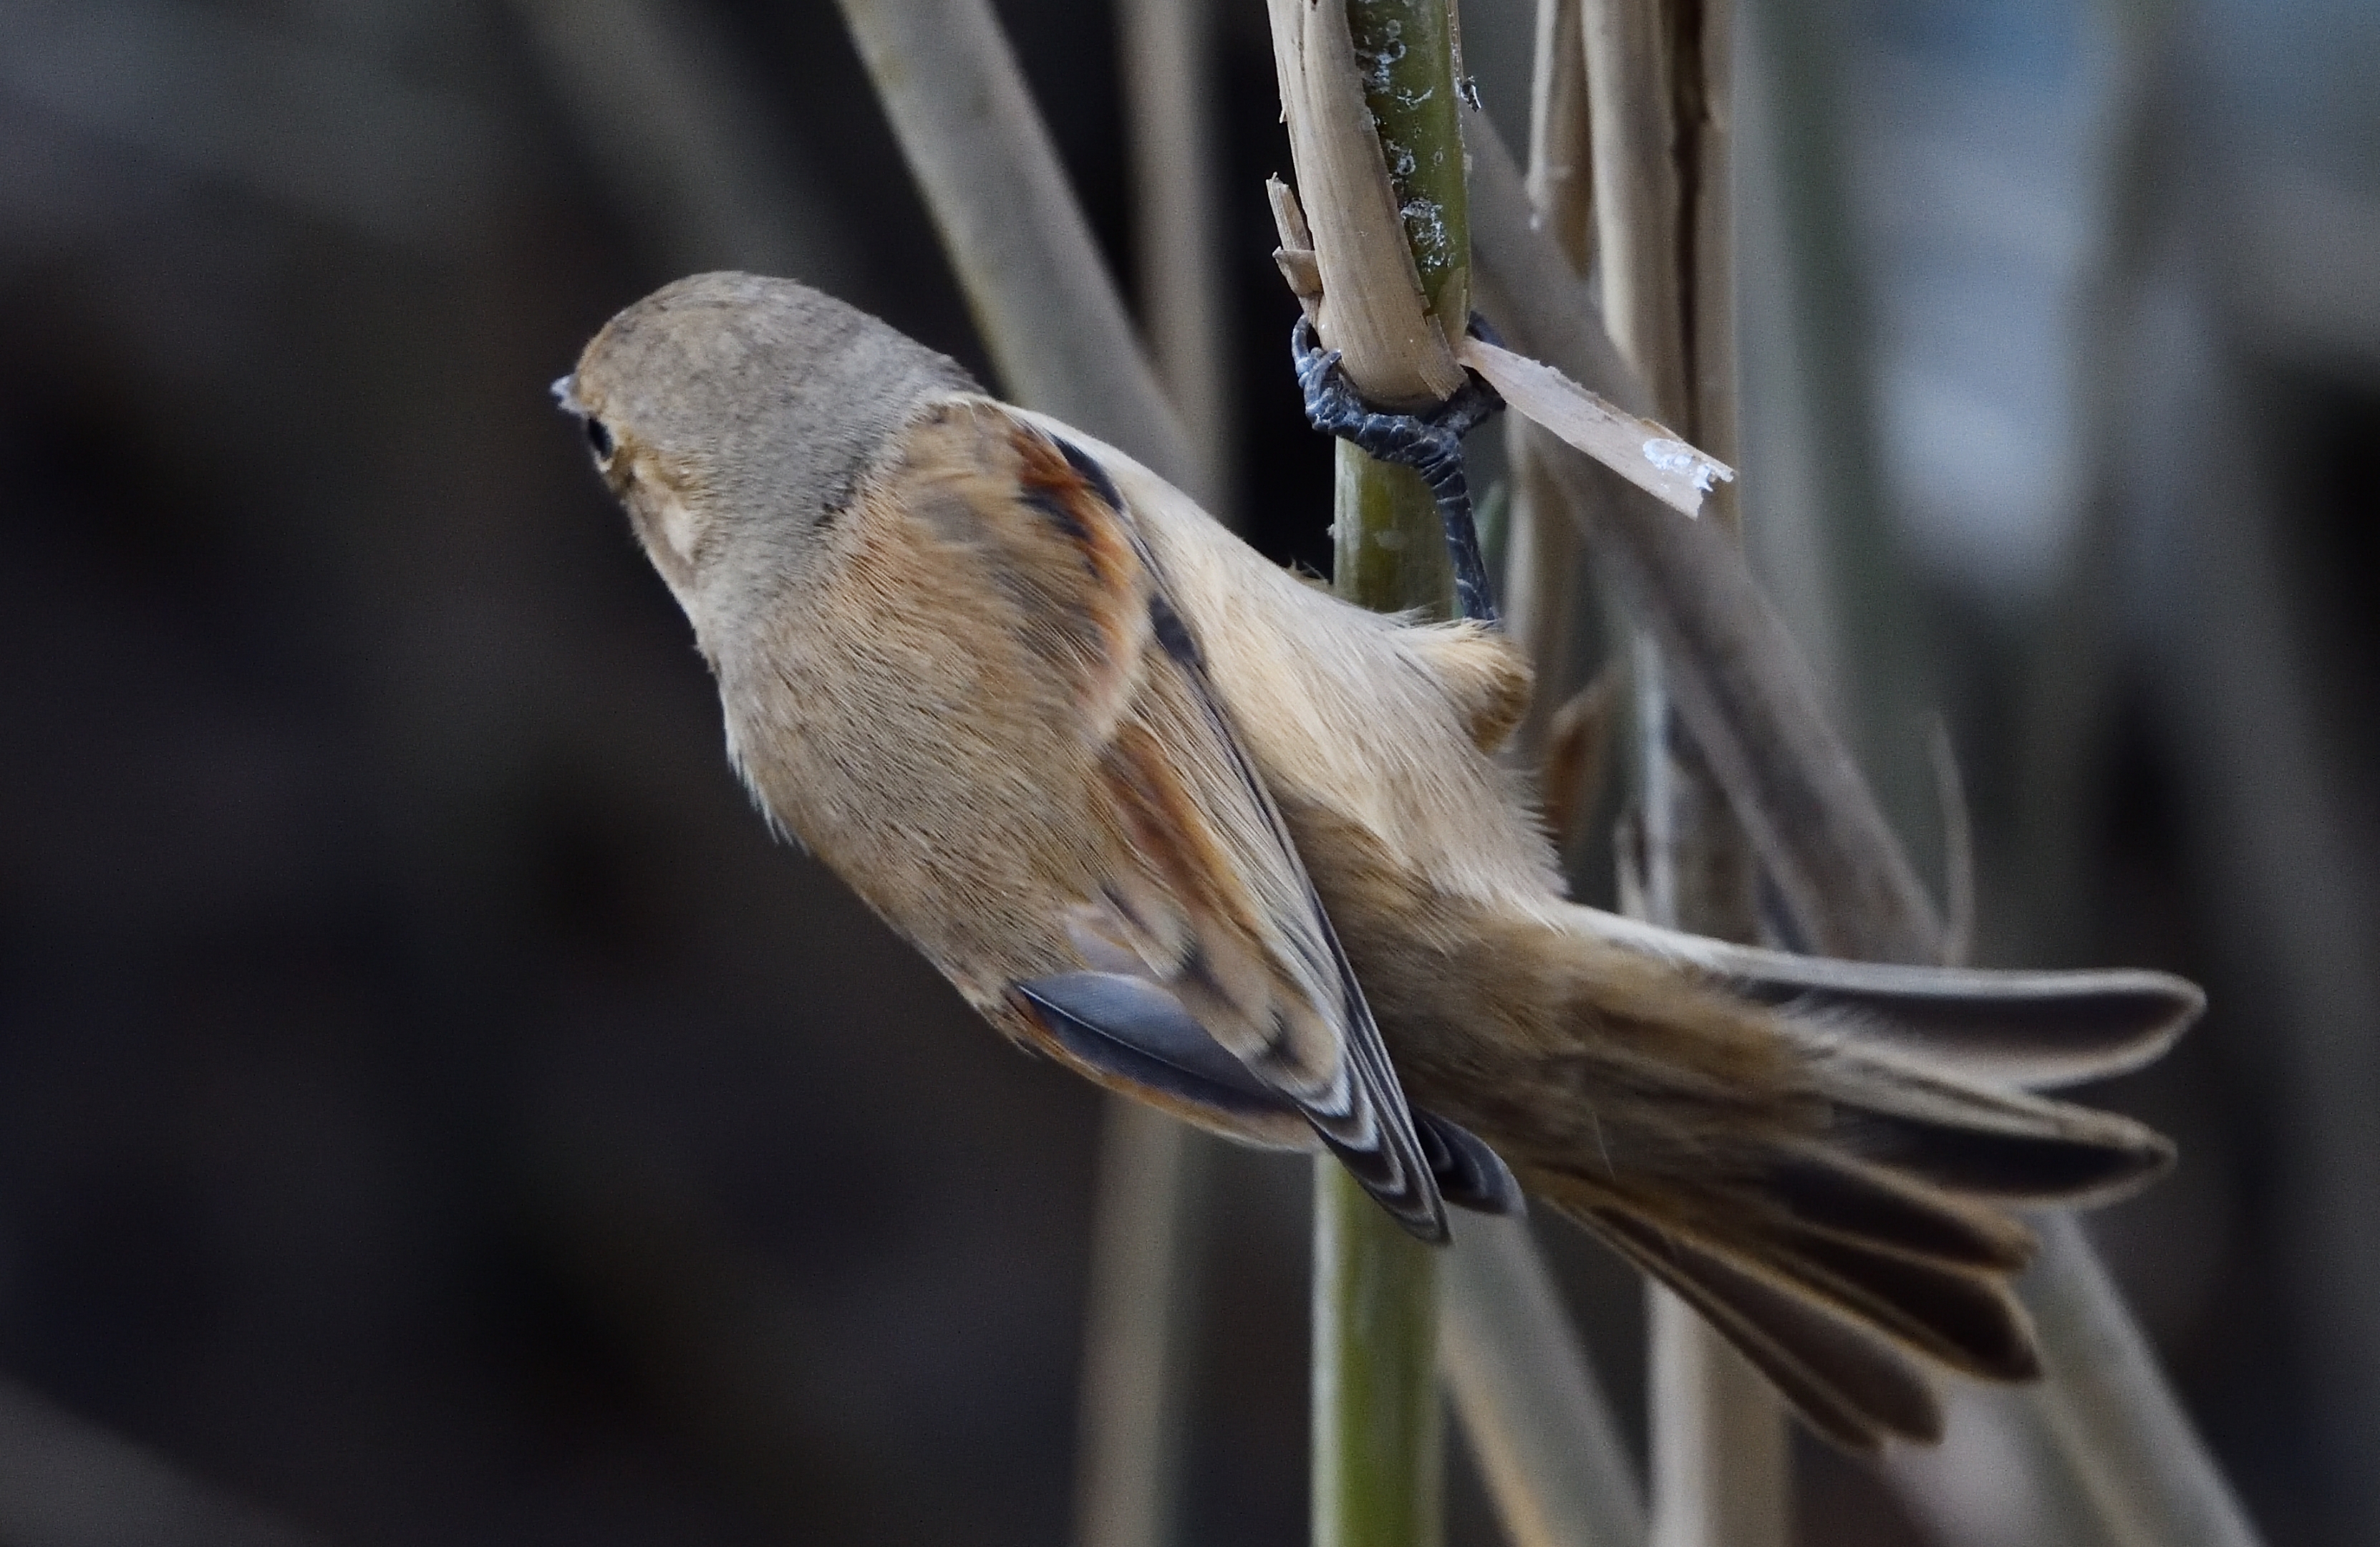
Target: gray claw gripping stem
x,y
1430,444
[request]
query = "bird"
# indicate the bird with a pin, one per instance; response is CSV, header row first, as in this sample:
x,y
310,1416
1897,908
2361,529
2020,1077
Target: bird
x,y
1181,821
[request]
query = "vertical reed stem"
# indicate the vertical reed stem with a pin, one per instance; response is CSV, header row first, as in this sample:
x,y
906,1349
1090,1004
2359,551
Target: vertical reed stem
x,y
1378,1449
1658,88
1133,1414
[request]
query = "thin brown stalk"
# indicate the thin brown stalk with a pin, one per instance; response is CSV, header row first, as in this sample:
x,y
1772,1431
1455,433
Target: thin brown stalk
x,y
1707,136
1720,1461
1543,585
1637,195
1133,1414
1561,168
1170,132
1539,1424
1135,1406
1042,297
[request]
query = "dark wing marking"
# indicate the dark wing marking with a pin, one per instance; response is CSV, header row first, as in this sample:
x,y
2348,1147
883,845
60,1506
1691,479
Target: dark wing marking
x,y
1469,1173
1130,1028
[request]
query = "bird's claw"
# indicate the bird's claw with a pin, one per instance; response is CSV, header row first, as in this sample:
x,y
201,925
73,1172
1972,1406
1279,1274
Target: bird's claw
x,y
1430,444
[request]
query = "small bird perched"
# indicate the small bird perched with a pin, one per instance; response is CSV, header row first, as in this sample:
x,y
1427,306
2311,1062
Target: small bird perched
x,y
1216,840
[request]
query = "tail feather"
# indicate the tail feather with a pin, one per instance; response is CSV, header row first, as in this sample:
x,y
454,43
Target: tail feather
x,y
1845,1198
1849,1385
1838,1214
1959,1317
2007,1145
2036,1030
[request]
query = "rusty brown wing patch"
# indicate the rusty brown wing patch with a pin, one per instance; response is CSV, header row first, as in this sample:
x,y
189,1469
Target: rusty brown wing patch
x,y
1210,889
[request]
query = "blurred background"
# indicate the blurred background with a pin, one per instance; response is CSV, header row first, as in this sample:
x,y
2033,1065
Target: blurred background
x,y
432,1111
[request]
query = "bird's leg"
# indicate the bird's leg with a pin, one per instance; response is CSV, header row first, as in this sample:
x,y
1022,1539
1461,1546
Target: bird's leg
x,y
1430,444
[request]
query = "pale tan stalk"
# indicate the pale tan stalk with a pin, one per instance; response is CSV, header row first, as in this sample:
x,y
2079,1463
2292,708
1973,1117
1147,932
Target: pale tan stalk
x,y
1561,170
1169,95
1637,195
1544,557
1539,1427
1721,1463
1132,1412
1139,1323
1042,297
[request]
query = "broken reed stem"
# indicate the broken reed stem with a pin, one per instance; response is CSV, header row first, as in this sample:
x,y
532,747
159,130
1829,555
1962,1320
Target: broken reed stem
x,y
1404,50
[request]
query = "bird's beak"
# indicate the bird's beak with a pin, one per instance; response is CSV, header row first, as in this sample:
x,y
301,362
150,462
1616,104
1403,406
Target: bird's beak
x,y
566,392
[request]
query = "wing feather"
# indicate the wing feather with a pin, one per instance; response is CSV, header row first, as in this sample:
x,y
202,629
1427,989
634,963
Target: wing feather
x,y
1206,895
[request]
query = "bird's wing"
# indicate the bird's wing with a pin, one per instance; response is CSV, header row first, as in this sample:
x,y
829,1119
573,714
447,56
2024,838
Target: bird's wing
x,y
1205,898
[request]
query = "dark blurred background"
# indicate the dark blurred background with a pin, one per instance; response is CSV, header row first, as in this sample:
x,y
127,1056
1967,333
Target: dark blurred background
x,y
432,1111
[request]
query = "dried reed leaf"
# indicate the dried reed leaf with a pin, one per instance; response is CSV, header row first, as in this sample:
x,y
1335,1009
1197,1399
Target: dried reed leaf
x,y
1639,450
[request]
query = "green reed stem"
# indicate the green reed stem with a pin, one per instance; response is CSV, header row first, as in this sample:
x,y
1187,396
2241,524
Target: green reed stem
x,y
1379,1441
1378,1445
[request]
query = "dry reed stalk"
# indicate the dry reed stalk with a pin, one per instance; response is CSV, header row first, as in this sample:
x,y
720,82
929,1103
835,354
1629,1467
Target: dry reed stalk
x,y
1043,300
1169,94
1139,1322
1132,1414
1539,1427
1720,1463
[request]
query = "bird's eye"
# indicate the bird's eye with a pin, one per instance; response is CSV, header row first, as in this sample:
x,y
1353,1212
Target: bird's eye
x,y
598,437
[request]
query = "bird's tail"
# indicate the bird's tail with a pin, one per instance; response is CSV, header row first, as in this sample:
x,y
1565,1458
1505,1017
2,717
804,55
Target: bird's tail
x,y
1820,1156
